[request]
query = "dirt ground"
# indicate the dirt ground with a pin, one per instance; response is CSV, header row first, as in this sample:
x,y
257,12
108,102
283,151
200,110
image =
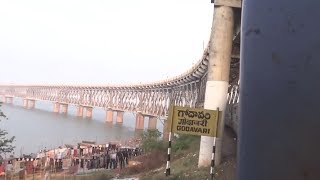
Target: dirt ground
x,y
227,171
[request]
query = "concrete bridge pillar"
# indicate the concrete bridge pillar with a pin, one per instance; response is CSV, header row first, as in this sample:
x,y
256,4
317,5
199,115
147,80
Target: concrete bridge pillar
x,y
120,116
64,108
139,121
56,107
79,111
217,79
31,104
88,112
152,123
11,100
109,115
8,100
25,103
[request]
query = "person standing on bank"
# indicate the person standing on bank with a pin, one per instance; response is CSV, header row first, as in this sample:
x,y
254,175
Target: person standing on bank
x,y
113,157
126,156
121,159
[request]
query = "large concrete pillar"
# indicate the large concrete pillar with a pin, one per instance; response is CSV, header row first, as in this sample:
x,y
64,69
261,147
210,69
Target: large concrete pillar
x,y
56,107
120,116
79,111
109,115
88,112
139,121
152,123
218,78
25,103
31,103
64,108
165,132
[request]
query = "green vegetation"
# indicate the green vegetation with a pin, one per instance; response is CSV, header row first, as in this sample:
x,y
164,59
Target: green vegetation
x,y
5,142
184,142
186,168
151,141
184,160
184,163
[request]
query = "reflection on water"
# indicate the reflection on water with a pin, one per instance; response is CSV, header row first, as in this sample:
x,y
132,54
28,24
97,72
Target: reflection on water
x,y
41,128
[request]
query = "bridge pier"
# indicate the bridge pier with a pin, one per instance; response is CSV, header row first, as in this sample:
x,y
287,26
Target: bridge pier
x,y
56,107
31,104
139,121
79,111
119,117
25,103
8,99
152,123
109,115
217,79
64,108
88,112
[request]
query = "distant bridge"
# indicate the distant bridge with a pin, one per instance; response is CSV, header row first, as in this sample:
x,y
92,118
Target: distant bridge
x,y
146,100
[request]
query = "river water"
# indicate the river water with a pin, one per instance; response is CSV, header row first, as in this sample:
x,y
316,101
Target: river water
x,y
40,128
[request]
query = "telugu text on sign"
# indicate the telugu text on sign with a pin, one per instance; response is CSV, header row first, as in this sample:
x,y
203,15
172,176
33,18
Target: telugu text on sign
x,y
193,121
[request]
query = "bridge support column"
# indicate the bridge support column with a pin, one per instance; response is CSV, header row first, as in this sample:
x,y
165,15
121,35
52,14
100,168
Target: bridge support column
x,y
217,78
79,111
88,112
56,107
120,116
139,121
31,104
165,134
152,123
8,100
109,115
11,100
64,108
25,103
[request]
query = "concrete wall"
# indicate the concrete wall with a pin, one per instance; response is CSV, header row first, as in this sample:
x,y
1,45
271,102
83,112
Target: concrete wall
x,y
232,117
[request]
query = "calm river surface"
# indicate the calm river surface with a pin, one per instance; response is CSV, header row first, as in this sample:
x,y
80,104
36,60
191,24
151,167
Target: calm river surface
x,y
39,128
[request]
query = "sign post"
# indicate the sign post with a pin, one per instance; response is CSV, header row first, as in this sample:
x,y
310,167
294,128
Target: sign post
x,y
171,109
214,147
193,121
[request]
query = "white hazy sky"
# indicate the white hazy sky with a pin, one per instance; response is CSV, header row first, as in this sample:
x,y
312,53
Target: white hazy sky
x,y
100,41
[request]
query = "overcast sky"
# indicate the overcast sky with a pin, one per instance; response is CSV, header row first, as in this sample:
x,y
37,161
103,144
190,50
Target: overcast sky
x,y
100,41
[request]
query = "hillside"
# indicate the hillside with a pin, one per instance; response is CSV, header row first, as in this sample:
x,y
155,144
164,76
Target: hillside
x,y
184,163
185,149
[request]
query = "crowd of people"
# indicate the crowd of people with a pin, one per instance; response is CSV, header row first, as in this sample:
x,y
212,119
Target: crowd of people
x,y
83,157
110,159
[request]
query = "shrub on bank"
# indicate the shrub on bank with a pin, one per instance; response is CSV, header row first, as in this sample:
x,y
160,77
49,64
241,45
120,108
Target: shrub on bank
x,y
184,142
151,141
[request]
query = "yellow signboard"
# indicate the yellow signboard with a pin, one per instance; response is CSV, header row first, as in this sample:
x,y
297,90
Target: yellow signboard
x,y
194,121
